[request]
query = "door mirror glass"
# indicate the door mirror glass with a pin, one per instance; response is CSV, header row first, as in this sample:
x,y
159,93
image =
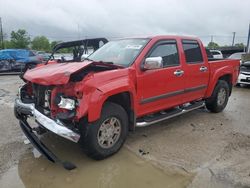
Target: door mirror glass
x,y
153,63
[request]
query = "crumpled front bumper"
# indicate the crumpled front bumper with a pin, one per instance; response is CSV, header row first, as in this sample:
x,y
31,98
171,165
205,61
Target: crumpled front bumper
x,y
51,125
23,111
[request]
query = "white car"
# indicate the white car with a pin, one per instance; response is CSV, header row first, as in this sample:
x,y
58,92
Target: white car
x,y
216,54
237,55
244,76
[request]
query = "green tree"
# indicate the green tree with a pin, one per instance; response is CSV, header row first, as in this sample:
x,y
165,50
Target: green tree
x,y
63,50
40,43
53,43
8,44
20,39
212,45
240,45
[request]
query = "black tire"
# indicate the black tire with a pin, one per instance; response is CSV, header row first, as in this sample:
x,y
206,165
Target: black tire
x,y
90,142
214,104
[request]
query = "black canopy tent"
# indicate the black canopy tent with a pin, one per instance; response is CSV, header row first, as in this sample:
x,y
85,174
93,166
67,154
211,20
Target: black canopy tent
x,y
80,47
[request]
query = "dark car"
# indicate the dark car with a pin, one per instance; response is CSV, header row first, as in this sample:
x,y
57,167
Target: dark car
x,y
17,59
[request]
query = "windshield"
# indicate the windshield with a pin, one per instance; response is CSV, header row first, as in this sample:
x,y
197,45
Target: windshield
x,y
122,52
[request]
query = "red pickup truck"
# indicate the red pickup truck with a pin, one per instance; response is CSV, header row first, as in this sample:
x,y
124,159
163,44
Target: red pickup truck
x,y
127,83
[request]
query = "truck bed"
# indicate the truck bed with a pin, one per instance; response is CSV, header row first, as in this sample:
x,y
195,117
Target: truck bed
x,y
227,65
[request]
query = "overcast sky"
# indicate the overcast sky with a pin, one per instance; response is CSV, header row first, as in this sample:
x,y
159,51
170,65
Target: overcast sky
x,y
68,20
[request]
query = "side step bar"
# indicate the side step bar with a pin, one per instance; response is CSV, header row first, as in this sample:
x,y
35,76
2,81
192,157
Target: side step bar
x,y
149,120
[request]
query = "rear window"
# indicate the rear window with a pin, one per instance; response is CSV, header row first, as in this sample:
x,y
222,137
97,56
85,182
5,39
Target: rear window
x,y
192,51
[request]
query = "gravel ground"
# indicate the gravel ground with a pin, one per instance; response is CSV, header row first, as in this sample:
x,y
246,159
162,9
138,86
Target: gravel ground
x,y
213,149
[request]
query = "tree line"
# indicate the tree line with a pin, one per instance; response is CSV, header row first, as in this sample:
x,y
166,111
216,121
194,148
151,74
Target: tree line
x,y
20,39
214,45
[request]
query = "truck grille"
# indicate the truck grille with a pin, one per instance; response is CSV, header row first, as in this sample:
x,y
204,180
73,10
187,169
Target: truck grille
x,y
42,96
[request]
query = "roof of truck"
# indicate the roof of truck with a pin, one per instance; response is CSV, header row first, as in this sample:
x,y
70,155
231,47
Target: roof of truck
x,y
161,37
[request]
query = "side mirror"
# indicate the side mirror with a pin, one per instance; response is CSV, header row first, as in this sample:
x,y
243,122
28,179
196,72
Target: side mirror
x,y
152,63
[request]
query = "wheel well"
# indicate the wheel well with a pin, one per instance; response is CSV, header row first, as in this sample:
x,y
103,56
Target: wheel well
x,y
124,100
228,79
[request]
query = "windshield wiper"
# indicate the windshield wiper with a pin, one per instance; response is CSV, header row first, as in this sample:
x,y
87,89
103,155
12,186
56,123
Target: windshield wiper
x,y
104,62
87,59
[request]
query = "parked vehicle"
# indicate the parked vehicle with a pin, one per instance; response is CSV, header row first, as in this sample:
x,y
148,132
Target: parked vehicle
x,y
244,76
237,55
44,56
127,83
217,54
17,59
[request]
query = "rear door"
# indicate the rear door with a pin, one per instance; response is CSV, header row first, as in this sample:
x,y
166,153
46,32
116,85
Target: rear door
x,y
161,88
196,70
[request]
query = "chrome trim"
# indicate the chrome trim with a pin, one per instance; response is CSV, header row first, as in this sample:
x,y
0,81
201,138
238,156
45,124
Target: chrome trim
x,y
178,72
54,126
203,69
144,123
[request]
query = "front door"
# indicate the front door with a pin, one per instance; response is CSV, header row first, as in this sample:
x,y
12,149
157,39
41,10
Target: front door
x,y
161,88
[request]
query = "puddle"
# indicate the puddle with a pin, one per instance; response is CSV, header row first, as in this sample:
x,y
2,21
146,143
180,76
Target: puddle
x,y
121,170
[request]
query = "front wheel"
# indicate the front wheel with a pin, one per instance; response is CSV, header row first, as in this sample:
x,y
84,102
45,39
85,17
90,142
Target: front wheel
x,y
107,135
218,101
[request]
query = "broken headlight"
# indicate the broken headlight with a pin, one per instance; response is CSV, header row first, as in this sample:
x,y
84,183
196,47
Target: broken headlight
x,y
65,102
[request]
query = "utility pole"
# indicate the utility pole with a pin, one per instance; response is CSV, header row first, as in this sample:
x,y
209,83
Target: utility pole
x,y
212,38
78,30
248,41
1,32
233,38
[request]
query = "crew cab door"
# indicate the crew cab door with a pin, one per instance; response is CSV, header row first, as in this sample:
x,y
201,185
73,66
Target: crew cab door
x,y
161,88
196,70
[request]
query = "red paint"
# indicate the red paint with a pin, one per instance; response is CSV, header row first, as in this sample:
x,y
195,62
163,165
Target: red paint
x,y
95,88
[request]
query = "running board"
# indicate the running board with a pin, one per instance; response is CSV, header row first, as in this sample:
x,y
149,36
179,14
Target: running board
x,y
164,115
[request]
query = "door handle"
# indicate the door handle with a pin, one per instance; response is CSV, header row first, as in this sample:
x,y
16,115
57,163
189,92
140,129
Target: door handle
x,y
178,72
203,69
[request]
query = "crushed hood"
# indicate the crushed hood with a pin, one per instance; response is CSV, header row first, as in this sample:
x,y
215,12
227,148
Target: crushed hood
x,y
54,74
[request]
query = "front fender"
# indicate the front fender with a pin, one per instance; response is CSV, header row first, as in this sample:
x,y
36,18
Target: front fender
x,y
103,92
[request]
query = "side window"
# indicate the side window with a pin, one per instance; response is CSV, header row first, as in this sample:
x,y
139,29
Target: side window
x,y
168,52
192,51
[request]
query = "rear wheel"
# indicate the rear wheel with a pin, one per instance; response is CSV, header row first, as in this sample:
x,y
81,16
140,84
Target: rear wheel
x,y
107,135
218,101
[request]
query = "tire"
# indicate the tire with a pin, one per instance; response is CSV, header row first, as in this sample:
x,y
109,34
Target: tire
x,y
95,143
218,101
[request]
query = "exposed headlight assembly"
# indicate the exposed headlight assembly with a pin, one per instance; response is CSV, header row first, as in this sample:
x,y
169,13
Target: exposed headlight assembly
x,y
66,103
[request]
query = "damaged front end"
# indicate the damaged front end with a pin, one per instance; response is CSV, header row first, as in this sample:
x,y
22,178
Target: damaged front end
x,y
36,103
56,97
